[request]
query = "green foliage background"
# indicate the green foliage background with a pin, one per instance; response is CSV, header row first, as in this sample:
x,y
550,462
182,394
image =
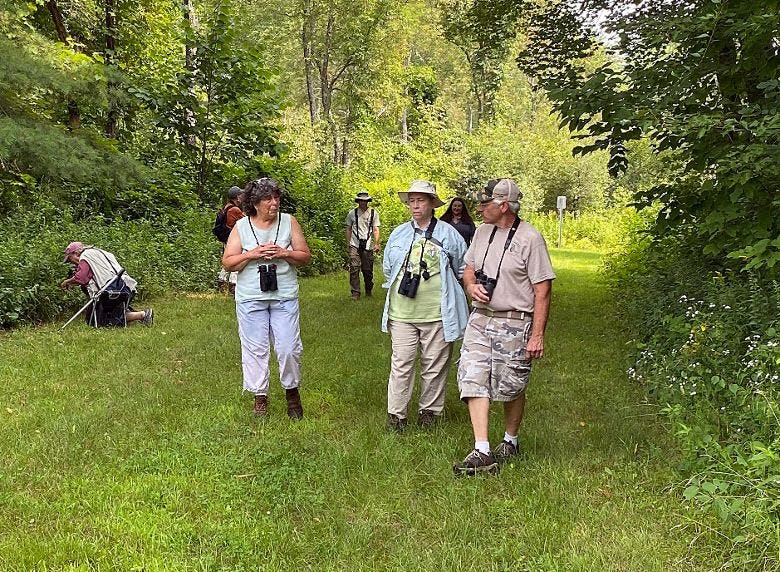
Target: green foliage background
x,y
122,124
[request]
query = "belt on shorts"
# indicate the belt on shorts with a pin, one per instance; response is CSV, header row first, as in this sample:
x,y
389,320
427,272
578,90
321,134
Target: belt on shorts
x,y
508,314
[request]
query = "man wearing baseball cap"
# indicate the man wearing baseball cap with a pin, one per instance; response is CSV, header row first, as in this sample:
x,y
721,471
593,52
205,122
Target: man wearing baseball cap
x,y
362,227
509,278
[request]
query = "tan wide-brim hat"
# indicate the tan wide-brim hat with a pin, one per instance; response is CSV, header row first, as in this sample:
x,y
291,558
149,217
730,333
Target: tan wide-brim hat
x,y
424,187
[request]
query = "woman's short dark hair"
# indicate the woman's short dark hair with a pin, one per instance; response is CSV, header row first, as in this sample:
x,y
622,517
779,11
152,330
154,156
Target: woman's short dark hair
x,y
464,215
257,190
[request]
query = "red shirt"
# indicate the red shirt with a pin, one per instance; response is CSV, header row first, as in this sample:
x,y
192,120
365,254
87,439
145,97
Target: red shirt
x,y
83,273
232,215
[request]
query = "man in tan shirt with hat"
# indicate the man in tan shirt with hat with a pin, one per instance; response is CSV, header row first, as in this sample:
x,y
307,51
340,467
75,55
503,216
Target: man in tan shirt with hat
x,y
509,278
362,227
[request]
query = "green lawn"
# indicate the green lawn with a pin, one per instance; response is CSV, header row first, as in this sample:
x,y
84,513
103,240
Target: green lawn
x,y
135,450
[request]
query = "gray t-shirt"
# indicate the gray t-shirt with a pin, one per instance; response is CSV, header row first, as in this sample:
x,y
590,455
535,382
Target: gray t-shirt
x,y
526,263
362,230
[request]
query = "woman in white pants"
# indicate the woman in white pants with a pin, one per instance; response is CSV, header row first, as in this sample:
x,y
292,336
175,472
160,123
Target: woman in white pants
x,y
265,247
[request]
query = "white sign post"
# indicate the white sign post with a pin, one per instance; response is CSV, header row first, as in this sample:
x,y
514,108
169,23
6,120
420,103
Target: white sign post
x,y
561,204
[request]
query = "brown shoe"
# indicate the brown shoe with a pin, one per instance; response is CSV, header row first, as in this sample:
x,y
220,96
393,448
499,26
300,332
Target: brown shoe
x,y
261,406
294,405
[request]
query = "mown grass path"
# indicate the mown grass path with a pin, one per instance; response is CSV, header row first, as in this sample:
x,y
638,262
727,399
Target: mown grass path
x,y
135,450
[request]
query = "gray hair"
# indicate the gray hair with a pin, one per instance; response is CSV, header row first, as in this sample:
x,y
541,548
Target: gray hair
x,y
257,190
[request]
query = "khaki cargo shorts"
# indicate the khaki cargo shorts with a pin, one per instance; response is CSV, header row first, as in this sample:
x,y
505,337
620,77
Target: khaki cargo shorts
x,y
494,362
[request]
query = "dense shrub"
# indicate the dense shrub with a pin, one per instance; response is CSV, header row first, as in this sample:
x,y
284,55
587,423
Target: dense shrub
x,y
174,250
603,230
707,350
169,253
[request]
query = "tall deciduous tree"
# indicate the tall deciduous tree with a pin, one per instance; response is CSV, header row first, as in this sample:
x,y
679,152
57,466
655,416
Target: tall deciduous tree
x,y
483,30
74,115
341,40
700,79
221,106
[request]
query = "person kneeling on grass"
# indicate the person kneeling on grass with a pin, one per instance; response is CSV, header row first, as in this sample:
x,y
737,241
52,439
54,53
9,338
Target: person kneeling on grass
x,y
93,269
265,247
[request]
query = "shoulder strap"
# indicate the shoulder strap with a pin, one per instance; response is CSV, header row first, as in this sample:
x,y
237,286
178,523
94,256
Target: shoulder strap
x,y
355,225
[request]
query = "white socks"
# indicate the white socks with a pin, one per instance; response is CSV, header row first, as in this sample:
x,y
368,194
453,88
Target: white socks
x,y
482,446
510,439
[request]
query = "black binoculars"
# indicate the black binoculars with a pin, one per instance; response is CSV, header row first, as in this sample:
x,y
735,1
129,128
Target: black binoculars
x,y
409,284
362,243
488,283
267,274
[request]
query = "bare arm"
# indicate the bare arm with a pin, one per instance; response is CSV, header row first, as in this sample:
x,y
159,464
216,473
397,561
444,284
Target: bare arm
x,y
300,253
233,260
376,239
542,294
349,236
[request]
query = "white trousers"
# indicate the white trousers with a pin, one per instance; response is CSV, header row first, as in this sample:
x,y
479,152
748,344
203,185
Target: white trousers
x,y
435,357
260,324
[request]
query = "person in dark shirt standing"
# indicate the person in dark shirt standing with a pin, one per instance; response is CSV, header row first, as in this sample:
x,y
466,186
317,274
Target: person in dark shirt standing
x,y
457,214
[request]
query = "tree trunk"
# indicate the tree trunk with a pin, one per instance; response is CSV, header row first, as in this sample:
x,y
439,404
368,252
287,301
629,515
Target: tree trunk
x,y
345,157
326,89
74,115
404,126
307,36
110,59
191,19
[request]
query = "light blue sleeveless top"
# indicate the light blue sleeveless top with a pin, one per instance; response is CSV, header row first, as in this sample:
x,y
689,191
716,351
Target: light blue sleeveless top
x,y
248,283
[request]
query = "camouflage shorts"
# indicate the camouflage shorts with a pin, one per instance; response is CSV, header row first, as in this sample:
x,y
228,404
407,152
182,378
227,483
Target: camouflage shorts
x,y
494,362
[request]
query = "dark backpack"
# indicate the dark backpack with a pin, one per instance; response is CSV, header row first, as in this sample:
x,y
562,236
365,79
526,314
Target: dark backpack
x,y
221,230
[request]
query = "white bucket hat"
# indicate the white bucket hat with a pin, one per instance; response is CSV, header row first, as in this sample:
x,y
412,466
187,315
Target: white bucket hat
x,y
424,187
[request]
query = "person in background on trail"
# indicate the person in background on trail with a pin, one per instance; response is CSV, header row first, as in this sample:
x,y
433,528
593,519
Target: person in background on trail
x,y
509,278
93,269
362,226
425,306
265,247
457,214
226,220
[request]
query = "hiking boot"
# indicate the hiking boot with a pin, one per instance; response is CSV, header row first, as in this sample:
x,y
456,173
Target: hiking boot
x,y
294,405
148,319
475,463
427,419
355,297
261,406
395,423
505,451
369,292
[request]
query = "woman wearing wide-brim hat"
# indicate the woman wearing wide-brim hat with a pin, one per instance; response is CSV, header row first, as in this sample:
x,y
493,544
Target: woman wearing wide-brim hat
x,y
425,305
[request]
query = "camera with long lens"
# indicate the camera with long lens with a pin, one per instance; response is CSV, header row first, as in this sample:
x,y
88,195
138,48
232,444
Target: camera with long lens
x,y
267,274
488,283
362,244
